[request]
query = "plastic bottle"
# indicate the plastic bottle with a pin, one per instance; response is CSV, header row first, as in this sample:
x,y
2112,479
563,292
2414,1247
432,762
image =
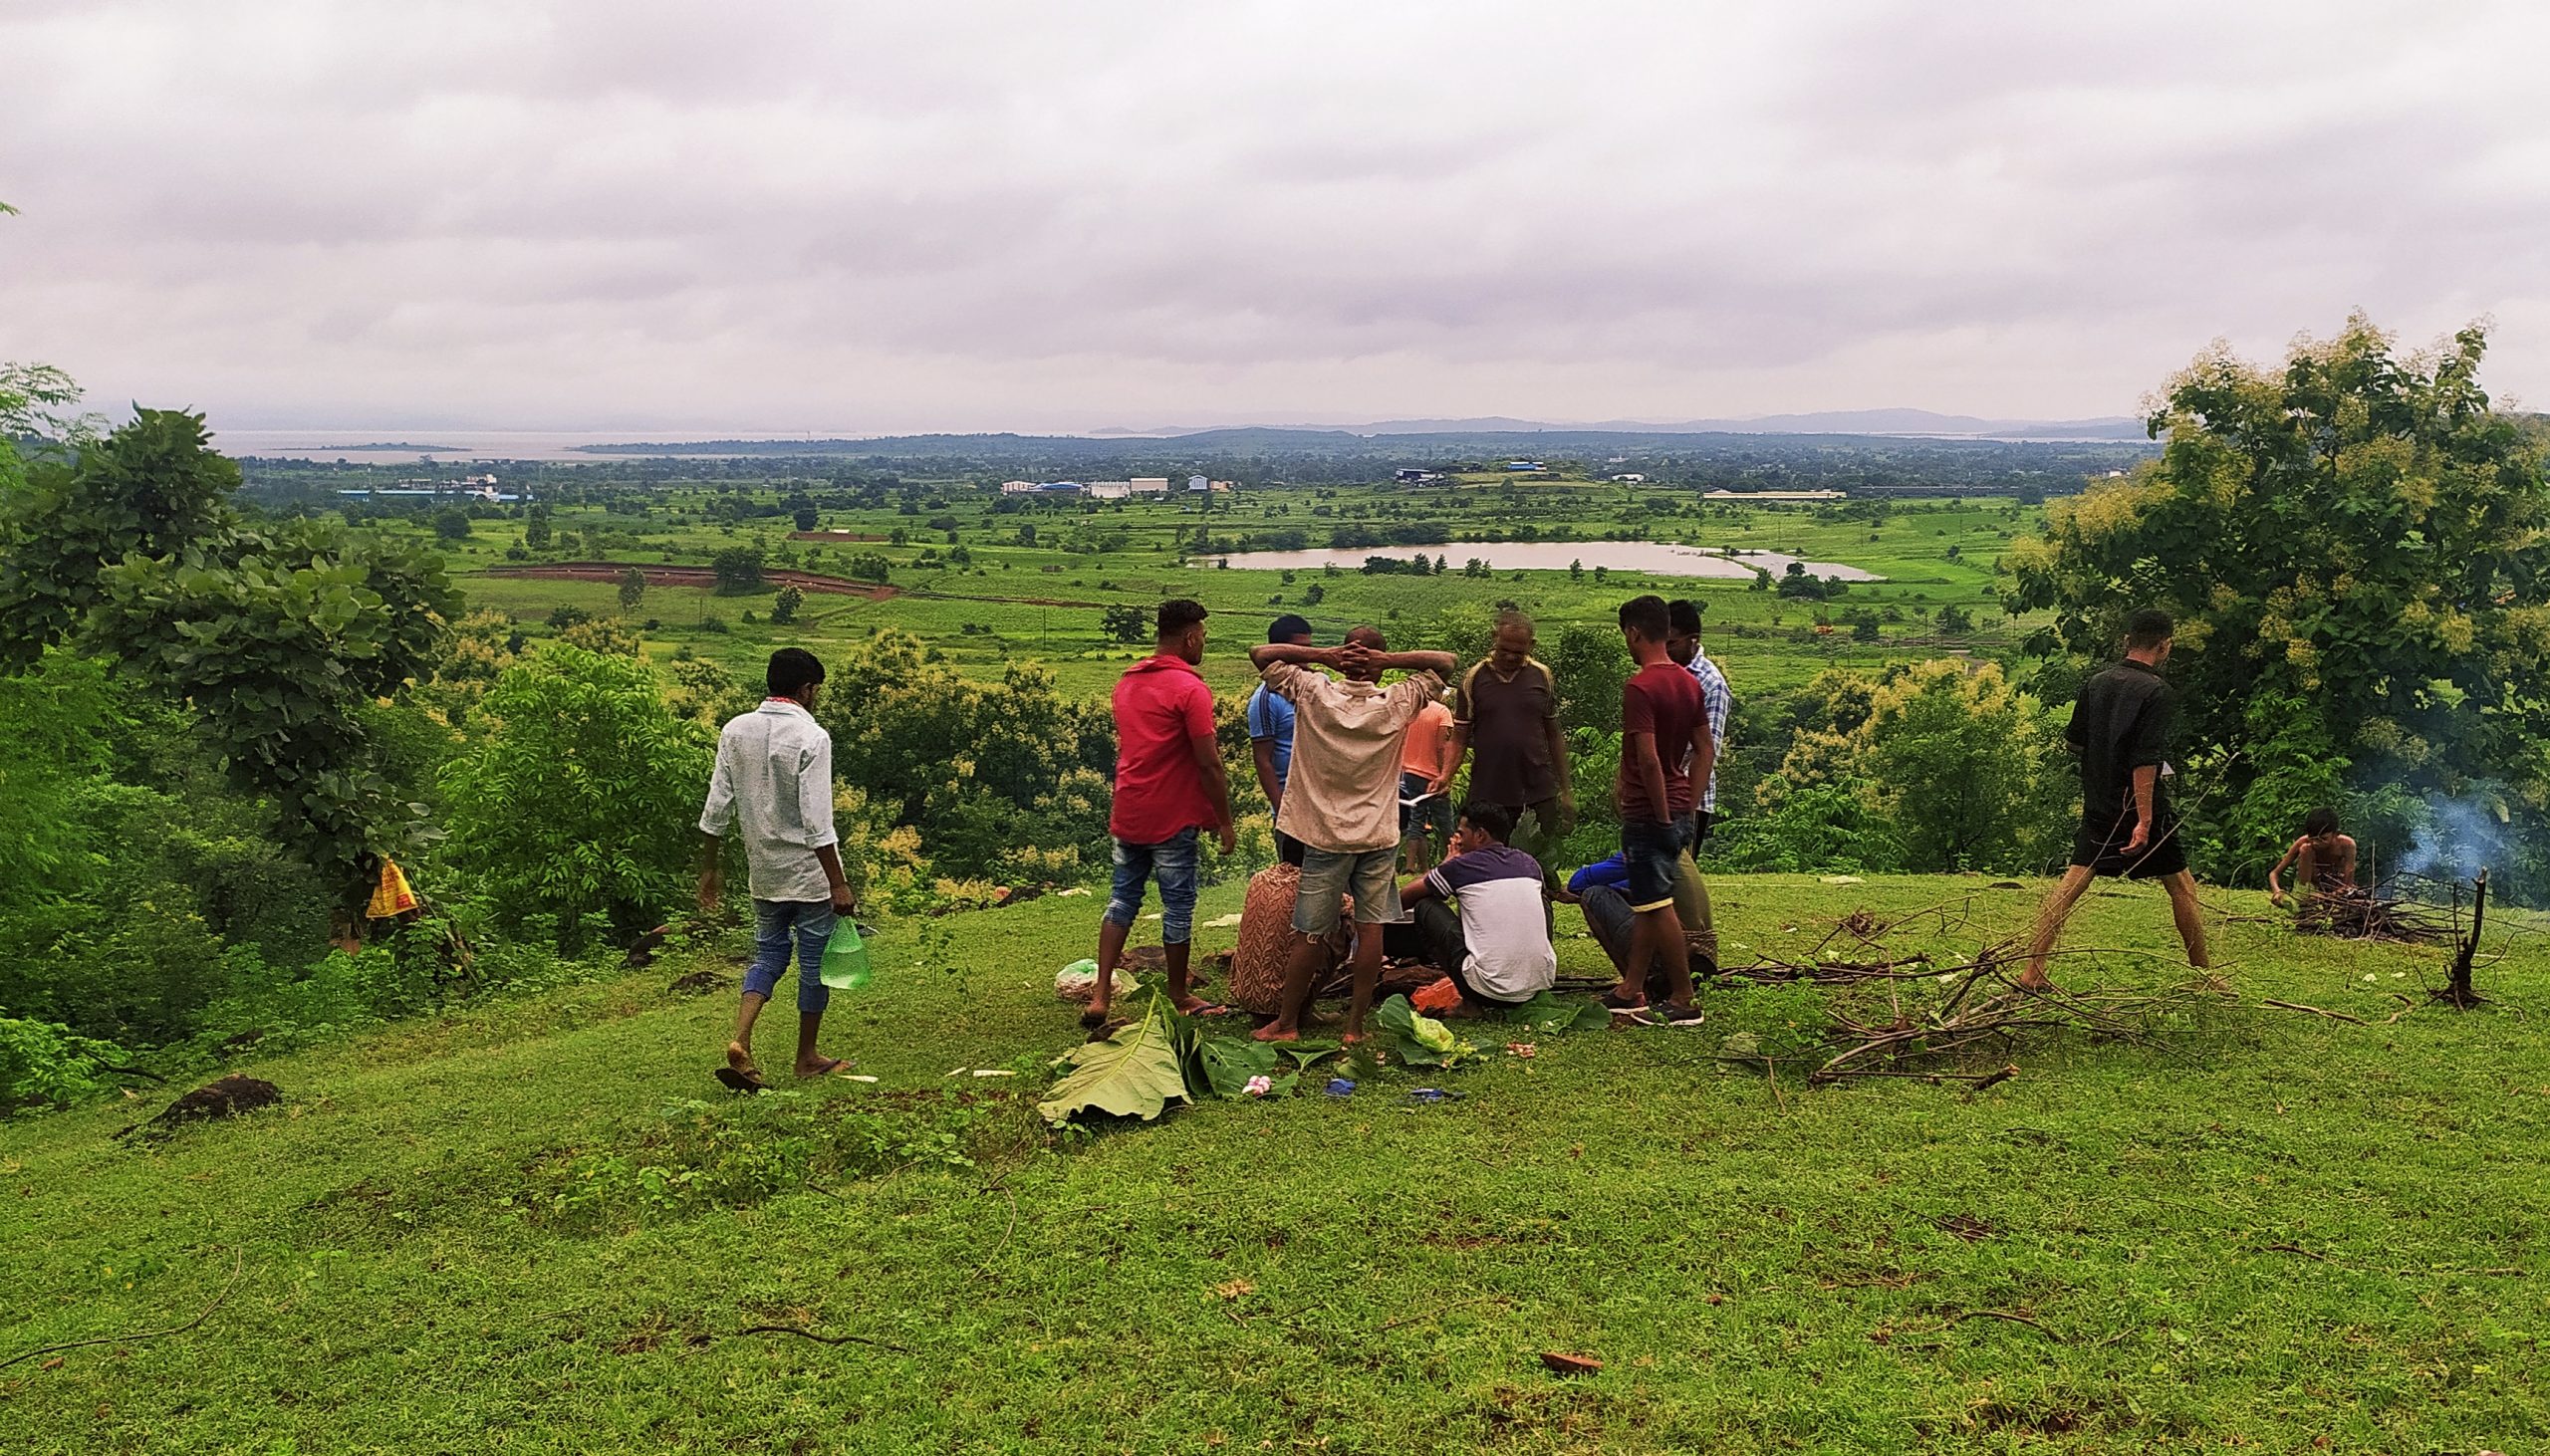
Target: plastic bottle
x,y
844,965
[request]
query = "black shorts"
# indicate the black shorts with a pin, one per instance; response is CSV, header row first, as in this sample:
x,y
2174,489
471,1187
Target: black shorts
x,y
1649,852
2101,848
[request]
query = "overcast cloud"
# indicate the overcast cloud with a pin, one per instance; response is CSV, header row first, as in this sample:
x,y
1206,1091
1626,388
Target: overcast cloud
x,y
856,218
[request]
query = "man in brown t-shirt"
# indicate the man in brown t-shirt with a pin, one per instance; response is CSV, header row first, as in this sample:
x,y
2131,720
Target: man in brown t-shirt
x,y
1507,708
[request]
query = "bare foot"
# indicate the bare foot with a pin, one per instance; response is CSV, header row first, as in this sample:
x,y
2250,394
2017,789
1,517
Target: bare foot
x,y
1352,1039
2036,985
1197,1006
1276,1032
742,1061
1094,1018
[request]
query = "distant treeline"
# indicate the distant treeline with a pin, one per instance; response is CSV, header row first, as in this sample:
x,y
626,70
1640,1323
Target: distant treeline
x,y
1259,459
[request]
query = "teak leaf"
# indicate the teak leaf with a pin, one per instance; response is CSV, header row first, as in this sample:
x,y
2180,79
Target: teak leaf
x,y
1133,1074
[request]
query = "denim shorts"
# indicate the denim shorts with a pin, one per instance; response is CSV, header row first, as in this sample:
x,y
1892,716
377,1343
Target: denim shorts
x,y
1649,849
1328,875
1427,815
1173,862
779,926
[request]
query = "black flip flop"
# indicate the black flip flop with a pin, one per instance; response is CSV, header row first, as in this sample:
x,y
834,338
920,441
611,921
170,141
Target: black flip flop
x,y
738,1081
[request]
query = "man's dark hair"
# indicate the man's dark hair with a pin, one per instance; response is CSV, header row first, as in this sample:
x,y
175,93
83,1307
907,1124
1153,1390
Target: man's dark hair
x,y
1685,616
1288,627
1647,616
1367,636
2319,824
2149,628
1493,820
791,668
1177,613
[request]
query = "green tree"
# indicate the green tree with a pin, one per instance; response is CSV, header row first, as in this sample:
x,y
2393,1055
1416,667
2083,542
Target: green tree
x,y
738,570
278,635
578,805
1953,620
1124,622
451,524
2357,550
632,590
535,529
806,518
150,489
784,611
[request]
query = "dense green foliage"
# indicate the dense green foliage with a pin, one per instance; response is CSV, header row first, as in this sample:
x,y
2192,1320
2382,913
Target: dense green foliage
x,y
275,634
578,802
2357,549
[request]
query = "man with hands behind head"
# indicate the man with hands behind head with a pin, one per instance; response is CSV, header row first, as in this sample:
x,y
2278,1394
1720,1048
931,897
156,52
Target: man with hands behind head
x,y
1342,800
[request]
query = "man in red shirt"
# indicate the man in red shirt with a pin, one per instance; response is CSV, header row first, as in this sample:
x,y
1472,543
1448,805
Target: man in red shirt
x,y
1663,730
1169,785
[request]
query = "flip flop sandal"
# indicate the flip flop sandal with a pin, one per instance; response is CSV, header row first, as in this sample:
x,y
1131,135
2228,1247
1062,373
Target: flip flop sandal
x,y
1682,1018
832,1065
1633,1012
737,1081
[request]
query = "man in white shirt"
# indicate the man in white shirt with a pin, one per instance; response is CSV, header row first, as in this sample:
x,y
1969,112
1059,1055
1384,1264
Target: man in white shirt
x,y
1481,913
774,784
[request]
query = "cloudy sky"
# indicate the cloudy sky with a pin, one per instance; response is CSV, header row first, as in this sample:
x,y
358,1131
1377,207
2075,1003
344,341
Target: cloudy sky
x,y
553,215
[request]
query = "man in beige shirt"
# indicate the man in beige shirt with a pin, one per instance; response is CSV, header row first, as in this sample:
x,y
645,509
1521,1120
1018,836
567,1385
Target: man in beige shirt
x,y
1342,800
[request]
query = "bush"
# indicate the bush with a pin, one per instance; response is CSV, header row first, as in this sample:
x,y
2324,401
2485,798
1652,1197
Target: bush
x,y
580,801
47,1066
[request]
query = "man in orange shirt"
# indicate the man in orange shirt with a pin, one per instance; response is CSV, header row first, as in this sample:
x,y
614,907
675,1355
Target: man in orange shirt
x,y
1425,757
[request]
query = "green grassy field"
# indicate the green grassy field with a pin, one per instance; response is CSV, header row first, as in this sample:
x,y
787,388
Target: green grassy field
x,y
539,1226
1039,601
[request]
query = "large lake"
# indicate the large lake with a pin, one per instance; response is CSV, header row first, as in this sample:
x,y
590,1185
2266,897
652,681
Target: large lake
x,y
1656,557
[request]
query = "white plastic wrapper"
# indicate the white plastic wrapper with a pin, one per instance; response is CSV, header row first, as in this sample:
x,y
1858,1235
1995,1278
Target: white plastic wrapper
x,y
1079,981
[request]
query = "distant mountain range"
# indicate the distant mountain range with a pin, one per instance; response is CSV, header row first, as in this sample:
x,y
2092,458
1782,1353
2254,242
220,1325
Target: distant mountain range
x,y
1918,423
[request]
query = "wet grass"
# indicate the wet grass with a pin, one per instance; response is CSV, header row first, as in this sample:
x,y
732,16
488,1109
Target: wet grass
x,y
537,1226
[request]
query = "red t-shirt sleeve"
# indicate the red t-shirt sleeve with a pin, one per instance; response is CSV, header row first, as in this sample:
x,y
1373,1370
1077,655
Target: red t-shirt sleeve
x,y
1198,710
1637,711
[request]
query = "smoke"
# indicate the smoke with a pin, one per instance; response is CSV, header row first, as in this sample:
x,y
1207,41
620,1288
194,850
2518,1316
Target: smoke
x,y
2454,838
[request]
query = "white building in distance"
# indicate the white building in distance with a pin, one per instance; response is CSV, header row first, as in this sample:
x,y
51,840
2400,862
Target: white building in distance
x,y
1150,484
1110,490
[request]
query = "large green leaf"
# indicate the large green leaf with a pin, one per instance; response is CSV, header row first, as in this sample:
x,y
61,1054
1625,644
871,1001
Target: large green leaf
x,y
1421,1040
1227,1063
1550,1014
1133,1074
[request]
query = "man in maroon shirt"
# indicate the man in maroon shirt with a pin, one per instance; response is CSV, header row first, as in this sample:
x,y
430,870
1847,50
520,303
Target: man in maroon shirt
x,y
1169,785
1663,730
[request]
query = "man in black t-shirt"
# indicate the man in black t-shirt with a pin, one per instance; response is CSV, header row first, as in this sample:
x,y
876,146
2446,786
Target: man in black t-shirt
x,y
2121,730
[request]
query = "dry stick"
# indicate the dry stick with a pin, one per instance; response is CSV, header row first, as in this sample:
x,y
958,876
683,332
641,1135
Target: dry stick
x,y
822,1339
238,1261
2315,1011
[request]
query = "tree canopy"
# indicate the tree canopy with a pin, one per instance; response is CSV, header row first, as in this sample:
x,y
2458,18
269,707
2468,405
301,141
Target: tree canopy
x,y
2357,550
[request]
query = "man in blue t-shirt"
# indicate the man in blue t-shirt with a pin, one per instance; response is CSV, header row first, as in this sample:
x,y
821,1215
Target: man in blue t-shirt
x,y
1270,734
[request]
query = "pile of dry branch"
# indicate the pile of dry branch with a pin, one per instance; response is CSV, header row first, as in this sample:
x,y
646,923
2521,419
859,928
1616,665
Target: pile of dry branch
x,y
2372,918
1914,1016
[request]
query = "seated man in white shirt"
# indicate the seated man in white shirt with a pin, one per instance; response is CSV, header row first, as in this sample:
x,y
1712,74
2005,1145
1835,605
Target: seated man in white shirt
x,y
774,783
1497,947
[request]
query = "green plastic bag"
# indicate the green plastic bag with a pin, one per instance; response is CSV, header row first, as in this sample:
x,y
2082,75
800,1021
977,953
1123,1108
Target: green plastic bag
x,y
845,966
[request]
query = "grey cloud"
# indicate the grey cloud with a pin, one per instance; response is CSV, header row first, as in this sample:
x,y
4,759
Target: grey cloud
x,y
1036,216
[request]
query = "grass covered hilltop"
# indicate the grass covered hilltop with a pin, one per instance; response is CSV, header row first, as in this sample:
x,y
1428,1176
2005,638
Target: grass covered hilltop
x,y
538,1226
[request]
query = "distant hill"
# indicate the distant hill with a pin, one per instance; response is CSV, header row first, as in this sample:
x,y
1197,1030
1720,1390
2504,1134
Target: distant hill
x,y
1827,422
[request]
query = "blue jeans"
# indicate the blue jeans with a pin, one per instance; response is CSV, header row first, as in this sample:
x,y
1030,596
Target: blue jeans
x,y
774,923
1173,862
